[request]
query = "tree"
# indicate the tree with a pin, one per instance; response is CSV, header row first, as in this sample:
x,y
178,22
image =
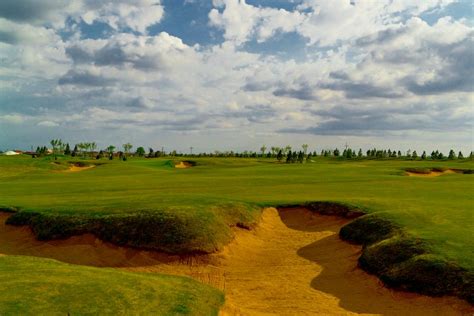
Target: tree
x,y
288,157
414,155
140,151
74,151
126,148
67,151
294,157
300,157
451,155
359,154
150,152
440,155
308,158
305,148
287,149
336,152
57,145
280,155
263,149
423,155
460,156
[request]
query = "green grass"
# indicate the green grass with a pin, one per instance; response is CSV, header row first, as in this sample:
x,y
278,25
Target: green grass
x,y
124,202
33,286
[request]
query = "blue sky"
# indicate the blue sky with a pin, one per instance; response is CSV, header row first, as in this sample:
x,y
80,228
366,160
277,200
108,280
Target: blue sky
x,y
235,74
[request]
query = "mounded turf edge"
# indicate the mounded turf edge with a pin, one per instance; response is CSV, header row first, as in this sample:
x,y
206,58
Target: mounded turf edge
x,y
404,262
174,233
401,261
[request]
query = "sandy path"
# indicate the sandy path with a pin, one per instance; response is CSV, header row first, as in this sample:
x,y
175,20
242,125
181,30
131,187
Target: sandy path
x,y
292,264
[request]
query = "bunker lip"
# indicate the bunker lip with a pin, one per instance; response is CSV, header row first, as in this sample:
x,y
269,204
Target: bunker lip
x,y
292,262
185,164
434,172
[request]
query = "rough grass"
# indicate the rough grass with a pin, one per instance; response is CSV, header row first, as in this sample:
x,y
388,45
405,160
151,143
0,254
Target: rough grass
x,y
36,286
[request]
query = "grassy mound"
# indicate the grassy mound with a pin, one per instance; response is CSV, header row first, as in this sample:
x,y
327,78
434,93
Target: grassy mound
x,y
335,209
404,262
171,231
34,286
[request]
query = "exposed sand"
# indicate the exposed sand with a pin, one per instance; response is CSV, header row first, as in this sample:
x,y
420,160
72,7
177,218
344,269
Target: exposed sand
x,y
183,165
431,174
293,263
74,168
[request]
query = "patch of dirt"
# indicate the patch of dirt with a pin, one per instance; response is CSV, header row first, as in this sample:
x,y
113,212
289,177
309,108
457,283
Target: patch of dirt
x,y
183,165
430,174
293,263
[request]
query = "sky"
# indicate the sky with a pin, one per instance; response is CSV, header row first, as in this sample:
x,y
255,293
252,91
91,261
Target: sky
x,y
236,75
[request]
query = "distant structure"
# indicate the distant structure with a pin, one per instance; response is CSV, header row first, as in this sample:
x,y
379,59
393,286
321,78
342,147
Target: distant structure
x,y
11,153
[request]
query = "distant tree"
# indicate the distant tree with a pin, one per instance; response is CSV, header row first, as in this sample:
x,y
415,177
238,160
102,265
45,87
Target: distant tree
x,y
57,146
140,151
280,155
471,155
150,152
434,155
294,157
408,153
287,149
308,158
300,157
399,153
263,149
336,152
67,150
359,154
440,155
126,148
414,155
288,157
460,156
452,154
305,148
423,155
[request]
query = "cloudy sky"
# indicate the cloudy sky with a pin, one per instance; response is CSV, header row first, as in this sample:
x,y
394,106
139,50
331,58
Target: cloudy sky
x,y
236,74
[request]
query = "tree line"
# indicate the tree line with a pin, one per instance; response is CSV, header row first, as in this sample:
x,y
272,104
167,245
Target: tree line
x,y
282,154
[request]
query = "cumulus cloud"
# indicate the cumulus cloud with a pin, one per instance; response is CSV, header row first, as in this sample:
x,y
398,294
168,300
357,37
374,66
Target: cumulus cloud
x,y
370,68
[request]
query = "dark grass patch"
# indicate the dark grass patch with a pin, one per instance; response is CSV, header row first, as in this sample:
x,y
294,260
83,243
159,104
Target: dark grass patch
x,y
335,209
433,276
8,209
368,229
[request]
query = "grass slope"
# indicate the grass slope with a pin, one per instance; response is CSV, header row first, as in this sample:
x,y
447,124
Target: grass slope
x,y
34,286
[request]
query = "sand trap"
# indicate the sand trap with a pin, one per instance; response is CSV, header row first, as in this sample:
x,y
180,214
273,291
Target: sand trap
x,y
431,174
183,165
292,264
74,168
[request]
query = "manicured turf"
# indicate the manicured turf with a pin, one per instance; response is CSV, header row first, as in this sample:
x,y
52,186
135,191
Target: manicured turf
x,y
148,203
34,286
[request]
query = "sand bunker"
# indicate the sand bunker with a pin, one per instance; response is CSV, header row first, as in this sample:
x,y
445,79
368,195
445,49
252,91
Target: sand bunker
x,y
183,165
76,168
292,264
430,174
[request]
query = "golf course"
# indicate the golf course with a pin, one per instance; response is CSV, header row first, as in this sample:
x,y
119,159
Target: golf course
x,y
236,236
